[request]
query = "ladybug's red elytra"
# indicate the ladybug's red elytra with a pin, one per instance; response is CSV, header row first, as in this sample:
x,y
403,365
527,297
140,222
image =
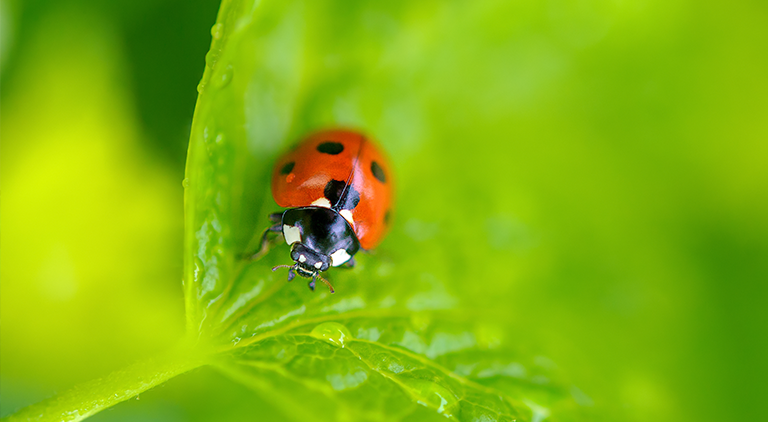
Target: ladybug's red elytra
x,y
337,187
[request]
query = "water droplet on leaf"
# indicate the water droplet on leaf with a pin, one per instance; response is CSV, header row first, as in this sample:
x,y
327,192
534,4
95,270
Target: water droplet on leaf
x,y
434,395
332,332
226,77
217,30
210,58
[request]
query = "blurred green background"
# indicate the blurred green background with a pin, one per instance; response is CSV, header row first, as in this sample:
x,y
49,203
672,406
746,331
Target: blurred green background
x,y
632,138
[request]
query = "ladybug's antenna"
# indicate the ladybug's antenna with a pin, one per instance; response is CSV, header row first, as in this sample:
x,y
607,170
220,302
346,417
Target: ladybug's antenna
x,y
326,282
291,274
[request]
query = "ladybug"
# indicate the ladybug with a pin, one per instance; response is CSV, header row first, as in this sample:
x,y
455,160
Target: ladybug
x,y
337,188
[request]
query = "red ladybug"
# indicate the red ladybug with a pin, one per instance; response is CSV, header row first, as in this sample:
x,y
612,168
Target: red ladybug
x,y
337,187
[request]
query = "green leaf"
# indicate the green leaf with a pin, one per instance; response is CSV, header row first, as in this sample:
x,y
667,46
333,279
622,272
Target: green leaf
x,y
383,368
396,340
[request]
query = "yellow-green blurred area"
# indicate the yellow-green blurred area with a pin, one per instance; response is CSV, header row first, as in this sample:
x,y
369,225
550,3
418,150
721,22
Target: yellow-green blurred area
x,y
629,141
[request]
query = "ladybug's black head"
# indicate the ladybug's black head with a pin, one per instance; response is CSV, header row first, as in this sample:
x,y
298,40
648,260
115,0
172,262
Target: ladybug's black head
x,y
309,264
308,261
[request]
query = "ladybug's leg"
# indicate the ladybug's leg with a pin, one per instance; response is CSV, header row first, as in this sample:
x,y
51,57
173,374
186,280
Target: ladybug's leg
x,y
312,284
266,242
276,217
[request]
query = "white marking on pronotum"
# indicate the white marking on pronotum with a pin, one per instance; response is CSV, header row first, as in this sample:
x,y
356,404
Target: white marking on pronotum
x,y
322,202
302,258
292,234
339,257
347,214
318,265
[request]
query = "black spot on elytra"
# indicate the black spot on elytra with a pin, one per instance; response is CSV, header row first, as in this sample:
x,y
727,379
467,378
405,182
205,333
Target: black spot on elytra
x,y
378,172
332,148
334,191
288,168
386,217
